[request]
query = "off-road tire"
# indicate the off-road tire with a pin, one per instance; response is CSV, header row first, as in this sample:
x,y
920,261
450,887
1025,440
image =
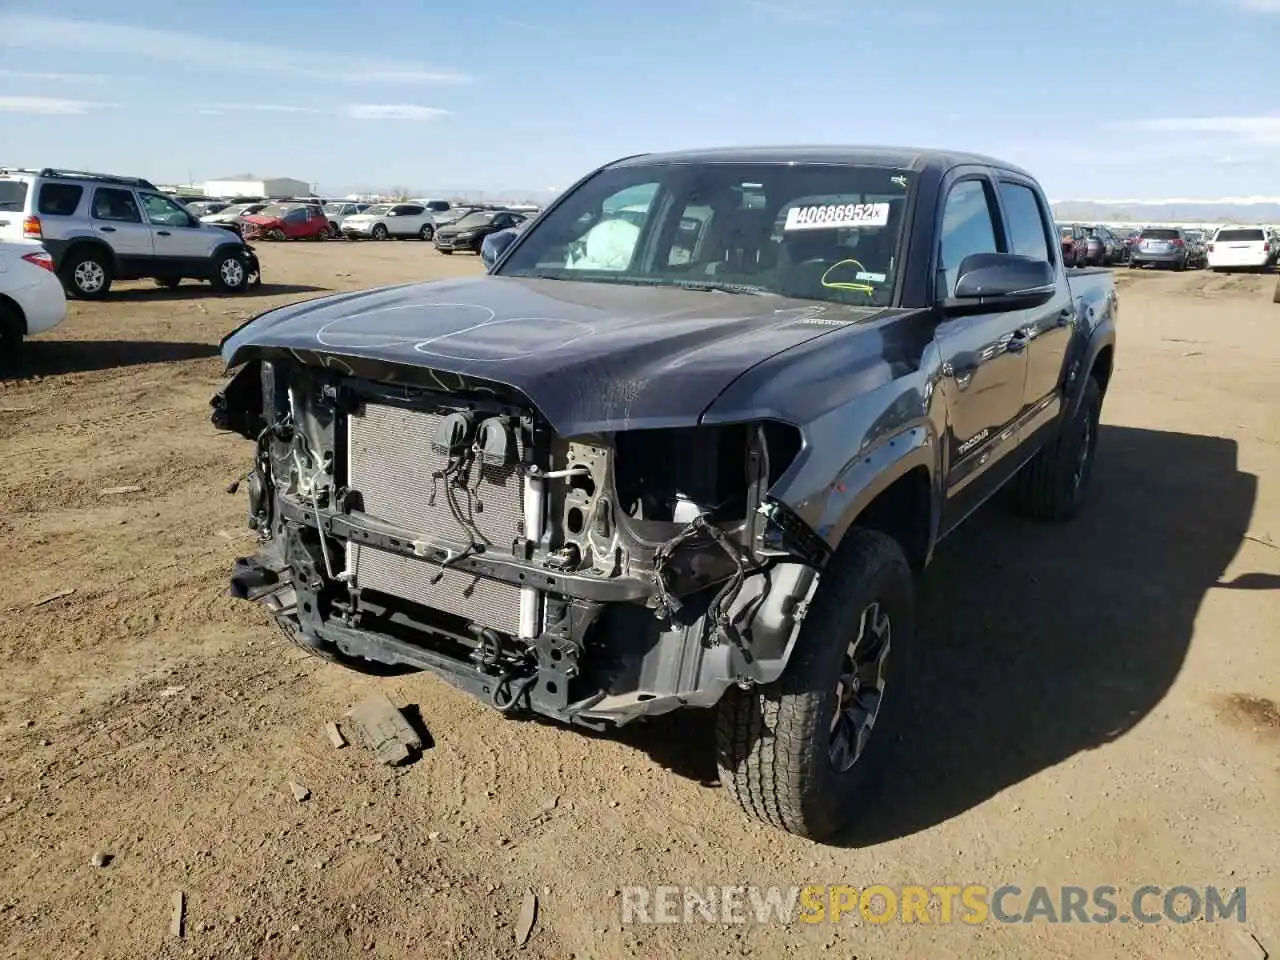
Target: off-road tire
x,y
1045,488
772,742
73,263
379,232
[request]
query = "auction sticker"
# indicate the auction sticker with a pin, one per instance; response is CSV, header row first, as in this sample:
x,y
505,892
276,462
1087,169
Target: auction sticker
x,y
837,215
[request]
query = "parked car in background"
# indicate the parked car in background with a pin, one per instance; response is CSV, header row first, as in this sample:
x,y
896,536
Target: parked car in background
x,y
1075,244
339,210
469,232
31,296
383,221
1100,247
205,207
101,228
229,217
1160,247
286,221
1236,248
1197,248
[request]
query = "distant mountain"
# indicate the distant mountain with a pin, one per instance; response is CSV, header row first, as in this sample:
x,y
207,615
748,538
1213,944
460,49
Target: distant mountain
x,y
1228,210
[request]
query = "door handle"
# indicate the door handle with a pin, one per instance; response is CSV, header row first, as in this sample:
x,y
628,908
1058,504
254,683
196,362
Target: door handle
x,y
107,229
162,233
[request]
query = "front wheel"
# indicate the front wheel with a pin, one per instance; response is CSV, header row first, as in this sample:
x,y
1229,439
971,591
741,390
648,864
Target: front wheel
x,y
379,232
230,274
803,753
427,233
1052,484
275,235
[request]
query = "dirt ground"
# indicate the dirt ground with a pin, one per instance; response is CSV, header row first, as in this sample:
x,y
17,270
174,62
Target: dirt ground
x,y
1097,704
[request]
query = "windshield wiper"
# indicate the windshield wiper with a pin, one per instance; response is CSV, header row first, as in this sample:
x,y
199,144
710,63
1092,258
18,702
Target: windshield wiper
x,y
712,286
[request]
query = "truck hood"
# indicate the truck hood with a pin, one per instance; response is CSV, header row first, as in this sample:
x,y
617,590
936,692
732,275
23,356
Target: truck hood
x,y
589,356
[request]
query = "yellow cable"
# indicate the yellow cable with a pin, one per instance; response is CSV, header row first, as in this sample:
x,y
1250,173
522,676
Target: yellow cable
x,y
843,285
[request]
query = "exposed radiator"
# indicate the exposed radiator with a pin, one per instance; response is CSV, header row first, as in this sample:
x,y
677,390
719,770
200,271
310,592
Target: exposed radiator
x,y
391,463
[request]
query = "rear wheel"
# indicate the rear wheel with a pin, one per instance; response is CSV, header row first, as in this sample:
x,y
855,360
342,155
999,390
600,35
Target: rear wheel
x,y
12,330
1053,484
800,753
87,274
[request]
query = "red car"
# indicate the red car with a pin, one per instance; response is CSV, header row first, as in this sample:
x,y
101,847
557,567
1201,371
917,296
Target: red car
x,y
286,221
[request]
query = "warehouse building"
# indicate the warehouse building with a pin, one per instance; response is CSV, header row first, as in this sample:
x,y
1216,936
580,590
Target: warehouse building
x,y
247,185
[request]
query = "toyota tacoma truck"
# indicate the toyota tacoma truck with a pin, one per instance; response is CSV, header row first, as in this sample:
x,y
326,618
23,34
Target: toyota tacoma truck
x,y
688,443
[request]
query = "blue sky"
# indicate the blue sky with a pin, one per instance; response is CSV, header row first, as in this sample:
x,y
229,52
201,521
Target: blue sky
x,y
1178,98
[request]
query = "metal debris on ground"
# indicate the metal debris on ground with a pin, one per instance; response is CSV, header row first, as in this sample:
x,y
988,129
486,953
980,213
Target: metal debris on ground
x,y
335,735
300,792
382,728
178,915
54,596
116,491
100,859
528,917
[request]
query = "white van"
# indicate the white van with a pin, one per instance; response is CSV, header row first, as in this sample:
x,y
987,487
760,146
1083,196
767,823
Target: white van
x,y
1240,248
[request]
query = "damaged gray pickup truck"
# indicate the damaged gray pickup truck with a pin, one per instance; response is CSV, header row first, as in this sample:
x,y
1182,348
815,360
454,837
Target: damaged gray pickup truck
x,y
687,444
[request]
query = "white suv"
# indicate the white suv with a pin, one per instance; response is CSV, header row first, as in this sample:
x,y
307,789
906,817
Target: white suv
x,y
101,228
1240,247
385,220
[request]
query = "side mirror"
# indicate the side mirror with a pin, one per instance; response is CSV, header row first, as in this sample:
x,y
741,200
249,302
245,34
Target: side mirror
x,y
495,246
997,282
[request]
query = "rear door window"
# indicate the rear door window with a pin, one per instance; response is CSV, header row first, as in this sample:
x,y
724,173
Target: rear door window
x,y
59,199
1028,233
111,203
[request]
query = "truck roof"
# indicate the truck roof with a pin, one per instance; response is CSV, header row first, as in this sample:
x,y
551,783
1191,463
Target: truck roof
x,y
903,158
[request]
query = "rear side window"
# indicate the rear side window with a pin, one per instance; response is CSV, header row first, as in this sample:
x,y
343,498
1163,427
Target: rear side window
x,y
1159,234
59,199
13,194
967,227
112,204
408,210
1242,235
1028,233
438,206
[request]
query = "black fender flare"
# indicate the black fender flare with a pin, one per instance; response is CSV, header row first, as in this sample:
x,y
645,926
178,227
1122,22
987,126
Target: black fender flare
x,y
1102,337
877,468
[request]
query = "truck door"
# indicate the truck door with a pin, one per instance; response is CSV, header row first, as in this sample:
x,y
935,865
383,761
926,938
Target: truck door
x,y
117,219
1047,330
984,368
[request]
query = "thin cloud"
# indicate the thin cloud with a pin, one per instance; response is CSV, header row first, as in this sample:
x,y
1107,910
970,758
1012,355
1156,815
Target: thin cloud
x,y
1263,129
49,106
521,25
261,108
1259,6
393,111
794,14
67,35
402,76
54,77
